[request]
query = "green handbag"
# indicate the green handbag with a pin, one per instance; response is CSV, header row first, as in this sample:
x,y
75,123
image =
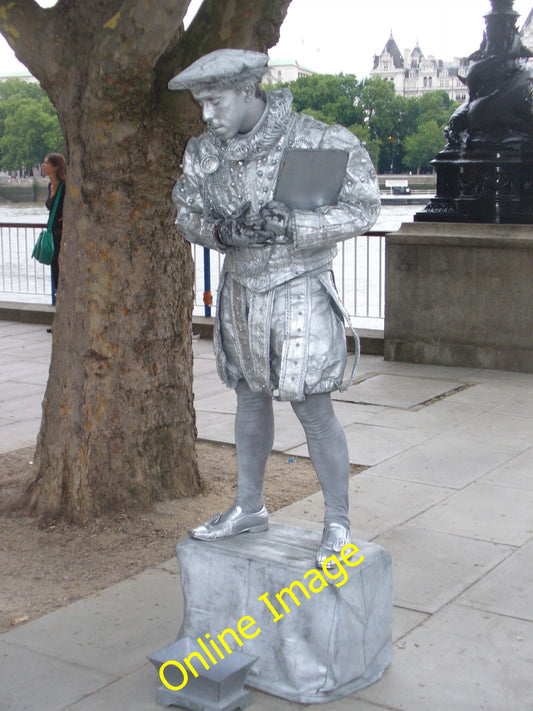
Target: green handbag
x,y
44,250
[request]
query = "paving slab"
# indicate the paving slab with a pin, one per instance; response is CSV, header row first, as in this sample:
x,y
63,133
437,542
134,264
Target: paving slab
x,y
128,693
516,472
508,589
36,351
208,385
350,703
486,394
431,568
216,401
492,513
397,390
138,691
203,366
215,426
368,444
347,413
20,401
421,370
32,680
33,348
290,434
111,631
203,348
502,379
377,504
18,434
510,433
24,371
369,365
453,459
350,413
461,659
170,565
404,620
434,418
22,331
520,405
299,516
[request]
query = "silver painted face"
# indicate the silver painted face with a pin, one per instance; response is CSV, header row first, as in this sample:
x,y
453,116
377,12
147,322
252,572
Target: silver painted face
x,y
225,112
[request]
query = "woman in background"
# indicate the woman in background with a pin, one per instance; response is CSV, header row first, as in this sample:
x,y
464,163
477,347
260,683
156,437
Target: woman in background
x,y
54,168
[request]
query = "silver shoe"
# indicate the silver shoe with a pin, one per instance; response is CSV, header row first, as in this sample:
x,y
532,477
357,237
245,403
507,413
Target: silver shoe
x,y
231,523
334,537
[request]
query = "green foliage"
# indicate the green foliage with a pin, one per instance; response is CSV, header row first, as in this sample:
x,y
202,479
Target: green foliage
x,y
422,147
434,106
382,111
371,145
400,134
22,89
427,116
29,128
328,97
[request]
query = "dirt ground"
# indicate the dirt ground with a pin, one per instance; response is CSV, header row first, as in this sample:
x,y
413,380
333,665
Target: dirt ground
x,y
48,565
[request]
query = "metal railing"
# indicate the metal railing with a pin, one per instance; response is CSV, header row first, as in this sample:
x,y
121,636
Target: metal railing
x,y
359,270
20,275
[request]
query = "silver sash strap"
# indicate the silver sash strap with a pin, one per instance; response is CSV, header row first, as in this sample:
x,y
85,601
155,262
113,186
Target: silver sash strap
x,y
328,282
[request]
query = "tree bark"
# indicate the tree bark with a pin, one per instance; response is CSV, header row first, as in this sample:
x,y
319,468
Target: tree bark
x,y
118,425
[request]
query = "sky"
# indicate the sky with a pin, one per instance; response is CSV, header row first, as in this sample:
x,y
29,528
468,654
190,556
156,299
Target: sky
x,y
333,36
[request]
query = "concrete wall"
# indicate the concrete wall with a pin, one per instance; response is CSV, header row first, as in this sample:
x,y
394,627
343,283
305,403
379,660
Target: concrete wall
x,y
460,295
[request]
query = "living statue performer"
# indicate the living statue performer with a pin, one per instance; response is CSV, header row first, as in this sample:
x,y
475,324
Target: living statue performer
x,y
279,331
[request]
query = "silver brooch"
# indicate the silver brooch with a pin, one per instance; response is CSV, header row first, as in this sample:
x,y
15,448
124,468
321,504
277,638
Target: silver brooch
x,y
209,164
301,143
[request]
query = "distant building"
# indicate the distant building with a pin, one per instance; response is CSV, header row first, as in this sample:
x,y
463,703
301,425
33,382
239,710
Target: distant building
x,y
414,74
280,71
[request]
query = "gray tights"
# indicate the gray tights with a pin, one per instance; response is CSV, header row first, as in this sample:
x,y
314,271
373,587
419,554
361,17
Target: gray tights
x,y
254,437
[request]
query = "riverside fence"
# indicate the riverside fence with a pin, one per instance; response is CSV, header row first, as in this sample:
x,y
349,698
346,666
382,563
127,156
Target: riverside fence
x,y
21,276
359,270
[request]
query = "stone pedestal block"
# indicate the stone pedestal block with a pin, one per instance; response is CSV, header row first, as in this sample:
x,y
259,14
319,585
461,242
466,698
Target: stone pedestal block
x,y
460,295
318,637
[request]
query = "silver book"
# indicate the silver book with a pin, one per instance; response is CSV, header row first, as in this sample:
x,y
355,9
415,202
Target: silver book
x,y
311,178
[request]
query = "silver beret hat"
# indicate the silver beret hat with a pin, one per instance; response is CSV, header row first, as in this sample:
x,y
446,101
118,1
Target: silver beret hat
x,y
222,63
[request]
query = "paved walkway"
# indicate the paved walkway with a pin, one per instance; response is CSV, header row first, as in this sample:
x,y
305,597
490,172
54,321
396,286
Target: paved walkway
x,y
448,491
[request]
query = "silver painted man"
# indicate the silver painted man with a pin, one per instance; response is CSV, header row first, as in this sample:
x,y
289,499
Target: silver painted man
x,y
280,324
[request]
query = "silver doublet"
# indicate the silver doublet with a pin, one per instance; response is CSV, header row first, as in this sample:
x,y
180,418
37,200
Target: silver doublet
x,y
231,523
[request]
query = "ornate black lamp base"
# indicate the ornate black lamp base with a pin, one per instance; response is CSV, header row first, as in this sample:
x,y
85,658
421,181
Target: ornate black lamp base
x,y
485,173
489,187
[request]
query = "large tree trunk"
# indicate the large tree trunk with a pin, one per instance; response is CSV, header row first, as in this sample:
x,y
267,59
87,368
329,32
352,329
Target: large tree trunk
x,y
118,424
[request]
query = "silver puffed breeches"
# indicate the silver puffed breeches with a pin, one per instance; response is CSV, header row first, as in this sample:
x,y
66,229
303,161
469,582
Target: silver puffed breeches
x,y
288,342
